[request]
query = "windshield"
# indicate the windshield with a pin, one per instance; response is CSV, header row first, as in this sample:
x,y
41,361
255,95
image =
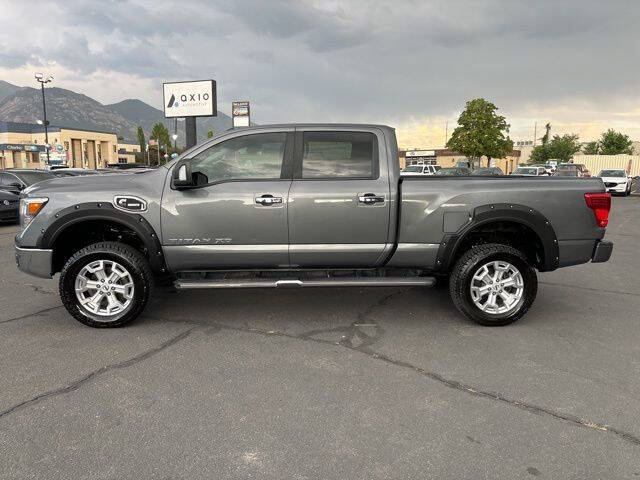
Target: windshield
x,y
525,171
414,168
565,173
568,166
446,171
611,173
29,178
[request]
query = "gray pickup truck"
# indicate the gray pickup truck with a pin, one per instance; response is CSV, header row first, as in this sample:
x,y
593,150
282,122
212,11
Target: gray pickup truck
x,y
305,206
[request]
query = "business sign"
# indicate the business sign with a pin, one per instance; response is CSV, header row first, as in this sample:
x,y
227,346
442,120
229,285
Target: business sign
x,y
190,99
241,114
420,153
21,147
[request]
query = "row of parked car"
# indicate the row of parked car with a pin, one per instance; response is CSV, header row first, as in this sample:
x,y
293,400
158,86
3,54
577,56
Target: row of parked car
x,y
617,181
14,180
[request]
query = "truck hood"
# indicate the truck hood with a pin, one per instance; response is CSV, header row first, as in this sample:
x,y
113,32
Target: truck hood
x,y
108,182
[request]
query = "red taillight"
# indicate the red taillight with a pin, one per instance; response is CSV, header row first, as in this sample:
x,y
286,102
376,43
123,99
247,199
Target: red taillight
x,y
600,203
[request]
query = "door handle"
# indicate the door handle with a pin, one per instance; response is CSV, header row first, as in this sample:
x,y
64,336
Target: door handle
x,y
268,199
370,198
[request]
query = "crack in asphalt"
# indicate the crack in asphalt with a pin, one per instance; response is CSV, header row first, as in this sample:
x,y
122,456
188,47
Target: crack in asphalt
x,y
454,384
34,314
96,373
353,338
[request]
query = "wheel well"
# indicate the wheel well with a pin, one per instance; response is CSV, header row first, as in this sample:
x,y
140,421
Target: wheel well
x,y
514,234
82,234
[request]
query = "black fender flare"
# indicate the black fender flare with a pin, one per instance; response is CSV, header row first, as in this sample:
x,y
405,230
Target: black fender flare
x,y
508,212
92,211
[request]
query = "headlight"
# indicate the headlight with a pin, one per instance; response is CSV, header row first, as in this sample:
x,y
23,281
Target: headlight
x,y
29,208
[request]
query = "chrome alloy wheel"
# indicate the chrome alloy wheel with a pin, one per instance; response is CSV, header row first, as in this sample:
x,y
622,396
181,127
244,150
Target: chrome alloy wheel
x,y
497,287
104,288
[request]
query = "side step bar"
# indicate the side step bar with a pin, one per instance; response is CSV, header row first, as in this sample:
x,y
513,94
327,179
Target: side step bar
x,y
195,284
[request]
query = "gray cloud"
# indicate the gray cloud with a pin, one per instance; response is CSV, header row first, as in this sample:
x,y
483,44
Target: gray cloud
x,y
350,60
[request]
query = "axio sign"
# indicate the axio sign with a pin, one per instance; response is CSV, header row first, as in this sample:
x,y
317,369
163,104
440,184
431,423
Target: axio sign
x,y
190,99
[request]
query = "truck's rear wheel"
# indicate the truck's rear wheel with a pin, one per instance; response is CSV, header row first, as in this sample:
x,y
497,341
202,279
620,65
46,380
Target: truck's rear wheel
x,y
106,284
493,284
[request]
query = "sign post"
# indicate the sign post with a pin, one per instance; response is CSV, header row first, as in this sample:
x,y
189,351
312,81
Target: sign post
x,y
190,100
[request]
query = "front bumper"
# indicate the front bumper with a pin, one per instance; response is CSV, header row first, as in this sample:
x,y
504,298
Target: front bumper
x,y
34,261
619,188
602,251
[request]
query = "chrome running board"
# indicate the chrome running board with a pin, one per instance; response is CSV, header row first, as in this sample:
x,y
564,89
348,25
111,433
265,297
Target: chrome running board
x,y
196,284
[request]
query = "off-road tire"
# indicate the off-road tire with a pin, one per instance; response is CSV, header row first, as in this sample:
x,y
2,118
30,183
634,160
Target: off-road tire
x,y
470,262
130,258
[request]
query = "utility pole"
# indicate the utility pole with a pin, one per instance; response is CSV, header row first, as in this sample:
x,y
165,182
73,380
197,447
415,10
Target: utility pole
x,y
42,79
535,132
446,133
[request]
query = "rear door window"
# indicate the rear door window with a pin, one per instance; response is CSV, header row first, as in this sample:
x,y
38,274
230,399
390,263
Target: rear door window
x,y
339,155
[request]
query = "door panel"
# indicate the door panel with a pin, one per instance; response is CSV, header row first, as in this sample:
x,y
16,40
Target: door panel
x,y
238,217
222,226
339,220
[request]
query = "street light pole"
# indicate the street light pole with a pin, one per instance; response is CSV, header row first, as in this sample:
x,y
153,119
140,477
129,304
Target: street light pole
x,y
42,79
175,131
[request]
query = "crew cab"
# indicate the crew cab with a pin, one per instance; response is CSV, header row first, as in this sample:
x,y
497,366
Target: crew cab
x,y
290,206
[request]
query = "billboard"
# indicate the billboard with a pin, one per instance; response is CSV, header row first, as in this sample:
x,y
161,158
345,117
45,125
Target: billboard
x,y
190,99
241,114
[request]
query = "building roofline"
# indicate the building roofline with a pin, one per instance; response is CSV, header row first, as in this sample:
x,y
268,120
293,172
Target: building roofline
x,y
25,127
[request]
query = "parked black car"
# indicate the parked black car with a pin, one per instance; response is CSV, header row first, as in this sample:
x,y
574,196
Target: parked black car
x,y
488,171
17,179
9,206
453,171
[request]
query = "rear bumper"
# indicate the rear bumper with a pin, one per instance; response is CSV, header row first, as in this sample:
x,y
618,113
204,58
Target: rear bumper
x,y
602,251
34,261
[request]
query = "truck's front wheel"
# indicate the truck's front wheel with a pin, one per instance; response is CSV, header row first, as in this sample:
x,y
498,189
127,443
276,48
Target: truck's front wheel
x,y
493,284
106,284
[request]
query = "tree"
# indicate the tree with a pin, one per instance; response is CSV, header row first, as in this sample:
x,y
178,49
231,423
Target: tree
x,y
615,143
591,148
160,133
141,140
561,148
210,134
481,132
547,131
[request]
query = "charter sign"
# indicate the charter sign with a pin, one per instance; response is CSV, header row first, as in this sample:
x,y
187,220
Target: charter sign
x,y
190,99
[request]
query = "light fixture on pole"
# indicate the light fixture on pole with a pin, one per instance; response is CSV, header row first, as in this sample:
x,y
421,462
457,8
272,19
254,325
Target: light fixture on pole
x,y
42,79
175,137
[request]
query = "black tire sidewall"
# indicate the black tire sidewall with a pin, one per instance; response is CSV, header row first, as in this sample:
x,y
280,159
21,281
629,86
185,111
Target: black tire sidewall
x,y
529,277
67,283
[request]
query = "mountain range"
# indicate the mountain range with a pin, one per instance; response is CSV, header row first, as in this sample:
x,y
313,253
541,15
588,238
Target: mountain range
x,y
66,108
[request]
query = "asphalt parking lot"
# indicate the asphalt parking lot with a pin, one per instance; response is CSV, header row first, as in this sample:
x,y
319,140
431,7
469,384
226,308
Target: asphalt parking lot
x,y
328,383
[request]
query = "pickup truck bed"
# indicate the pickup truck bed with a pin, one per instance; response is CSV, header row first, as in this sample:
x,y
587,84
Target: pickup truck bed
x,y
306,205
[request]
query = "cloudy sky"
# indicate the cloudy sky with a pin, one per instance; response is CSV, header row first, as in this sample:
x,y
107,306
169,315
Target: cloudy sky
x,y
411,64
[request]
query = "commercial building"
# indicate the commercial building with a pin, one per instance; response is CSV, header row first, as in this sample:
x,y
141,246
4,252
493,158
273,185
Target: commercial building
x,y
127,152
22,145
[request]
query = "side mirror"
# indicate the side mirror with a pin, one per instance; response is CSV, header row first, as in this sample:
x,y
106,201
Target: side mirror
x,y
16,186
182,176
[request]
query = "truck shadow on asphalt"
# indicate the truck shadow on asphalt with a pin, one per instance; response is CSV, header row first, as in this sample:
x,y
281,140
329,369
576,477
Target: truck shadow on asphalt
x,y
352,318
